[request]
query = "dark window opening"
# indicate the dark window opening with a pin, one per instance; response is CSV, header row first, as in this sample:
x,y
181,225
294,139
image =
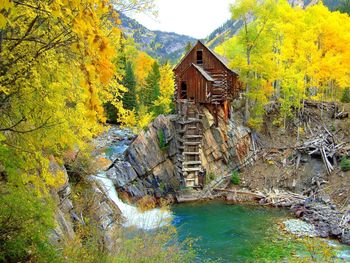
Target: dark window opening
x,y
199,57
183,94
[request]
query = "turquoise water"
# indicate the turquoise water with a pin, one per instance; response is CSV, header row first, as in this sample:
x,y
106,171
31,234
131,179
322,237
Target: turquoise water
x,y
222,231
229,233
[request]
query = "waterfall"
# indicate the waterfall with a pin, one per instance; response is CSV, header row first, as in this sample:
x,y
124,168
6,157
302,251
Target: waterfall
x,y
147,220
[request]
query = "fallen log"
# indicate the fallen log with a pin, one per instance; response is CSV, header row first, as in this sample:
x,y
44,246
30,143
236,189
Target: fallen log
x,y
259,195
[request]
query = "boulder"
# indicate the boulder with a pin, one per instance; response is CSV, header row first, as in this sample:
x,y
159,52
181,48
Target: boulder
x,y
122,173
64,228
345,238
144,153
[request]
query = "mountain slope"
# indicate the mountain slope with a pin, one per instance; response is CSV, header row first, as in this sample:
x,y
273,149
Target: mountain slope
x,y
158,44
171,46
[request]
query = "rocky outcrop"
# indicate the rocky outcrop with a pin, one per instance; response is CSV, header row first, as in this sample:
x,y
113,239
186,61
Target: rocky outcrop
x,y
328,221
226,147
103,210
64,227
148,167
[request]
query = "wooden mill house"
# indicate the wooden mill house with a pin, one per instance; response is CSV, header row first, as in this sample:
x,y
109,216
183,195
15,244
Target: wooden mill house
x,y
202,79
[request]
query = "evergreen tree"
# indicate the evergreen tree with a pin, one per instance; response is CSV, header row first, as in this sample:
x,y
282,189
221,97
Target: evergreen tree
x,y
188,47
344,6
346,95
129,81
151,91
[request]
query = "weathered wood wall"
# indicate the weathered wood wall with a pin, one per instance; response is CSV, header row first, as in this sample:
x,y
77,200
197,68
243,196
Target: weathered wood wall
x,y
198,87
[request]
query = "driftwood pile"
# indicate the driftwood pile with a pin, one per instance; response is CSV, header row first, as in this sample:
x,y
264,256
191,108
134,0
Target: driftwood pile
x,y
280,198
324,144
273,197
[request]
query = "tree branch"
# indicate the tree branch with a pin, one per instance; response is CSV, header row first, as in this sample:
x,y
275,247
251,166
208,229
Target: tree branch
x,y
13,126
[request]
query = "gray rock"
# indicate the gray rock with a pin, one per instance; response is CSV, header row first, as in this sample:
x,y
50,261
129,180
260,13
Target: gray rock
x,y
300,228
144,153
122,173
345,238
64,229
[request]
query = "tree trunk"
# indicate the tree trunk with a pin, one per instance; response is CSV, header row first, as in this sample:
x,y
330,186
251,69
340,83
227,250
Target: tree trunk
x,y
247,90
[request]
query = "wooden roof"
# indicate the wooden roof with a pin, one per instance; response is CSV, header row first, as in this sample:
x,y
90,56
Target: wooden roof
x,y
203,72
222,59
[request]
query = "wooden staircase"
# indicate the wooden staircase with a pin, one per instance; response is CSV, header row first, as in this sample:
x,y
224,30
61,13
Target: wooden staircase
x,y
189,141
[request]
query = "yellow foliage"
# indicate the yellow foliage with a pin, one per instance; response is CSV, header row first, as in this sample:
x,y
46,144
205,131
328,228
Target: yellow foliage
x,y
143,65
284,53
166,85
57,71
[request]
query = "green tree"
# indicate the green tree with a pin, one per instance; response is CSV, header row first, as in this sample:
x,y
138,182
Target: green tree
x,y
188,47
151,91
344,6
129,82
346,95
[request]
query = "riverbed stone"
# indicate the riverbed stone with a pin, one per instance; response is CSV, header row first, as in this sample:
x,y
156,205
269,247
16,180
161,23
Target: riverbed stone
x,y
345,238
300,228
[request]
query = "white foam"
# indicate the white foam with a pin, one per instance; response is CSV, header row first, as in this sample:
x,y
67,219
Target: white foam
x,y
148,220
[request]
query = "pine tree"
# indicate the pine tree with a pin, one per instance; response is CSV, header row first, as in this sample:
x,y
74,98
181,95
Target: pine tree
x,y
344,6
188,47
151,91
129,82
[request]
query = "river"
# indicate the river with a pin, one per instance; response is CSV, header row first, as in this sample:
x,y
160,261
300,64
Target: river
x,y
221,232
226,232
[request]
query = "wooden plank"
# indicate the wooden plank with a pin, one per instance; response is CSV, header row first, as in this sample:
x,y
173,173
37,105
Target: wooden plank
x,y
194,169
192,163
191,153
192,143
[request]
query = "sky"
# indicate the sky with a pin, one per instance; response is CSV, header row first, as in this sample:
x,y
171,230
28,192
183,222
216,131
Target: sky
x,y
195,18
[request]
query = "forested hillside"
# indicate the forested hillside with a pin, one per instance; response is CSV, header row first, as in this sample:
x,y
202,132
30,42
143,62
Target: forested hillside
x,y
164,46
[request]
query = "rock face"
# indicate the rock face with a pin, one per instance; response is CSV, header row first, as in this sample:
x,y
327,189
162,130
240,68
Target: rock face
x,y
105,212
148,169
328,221
225,147
64,229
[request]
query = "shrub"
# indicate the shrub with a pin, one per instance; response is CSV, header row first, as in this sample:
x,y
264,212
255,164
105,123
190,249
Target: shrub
x,y
235,178
146,203
210,177
162,142
346,95
25,223
345,164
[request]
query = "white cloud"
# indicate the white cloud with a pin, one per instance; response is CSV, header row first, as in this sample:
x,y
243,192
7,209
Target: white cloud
x,y
196,18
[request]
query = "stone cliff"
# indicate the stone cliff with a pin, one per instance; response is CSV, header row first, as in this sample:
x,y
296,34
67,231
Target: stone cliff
x,y
148,167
